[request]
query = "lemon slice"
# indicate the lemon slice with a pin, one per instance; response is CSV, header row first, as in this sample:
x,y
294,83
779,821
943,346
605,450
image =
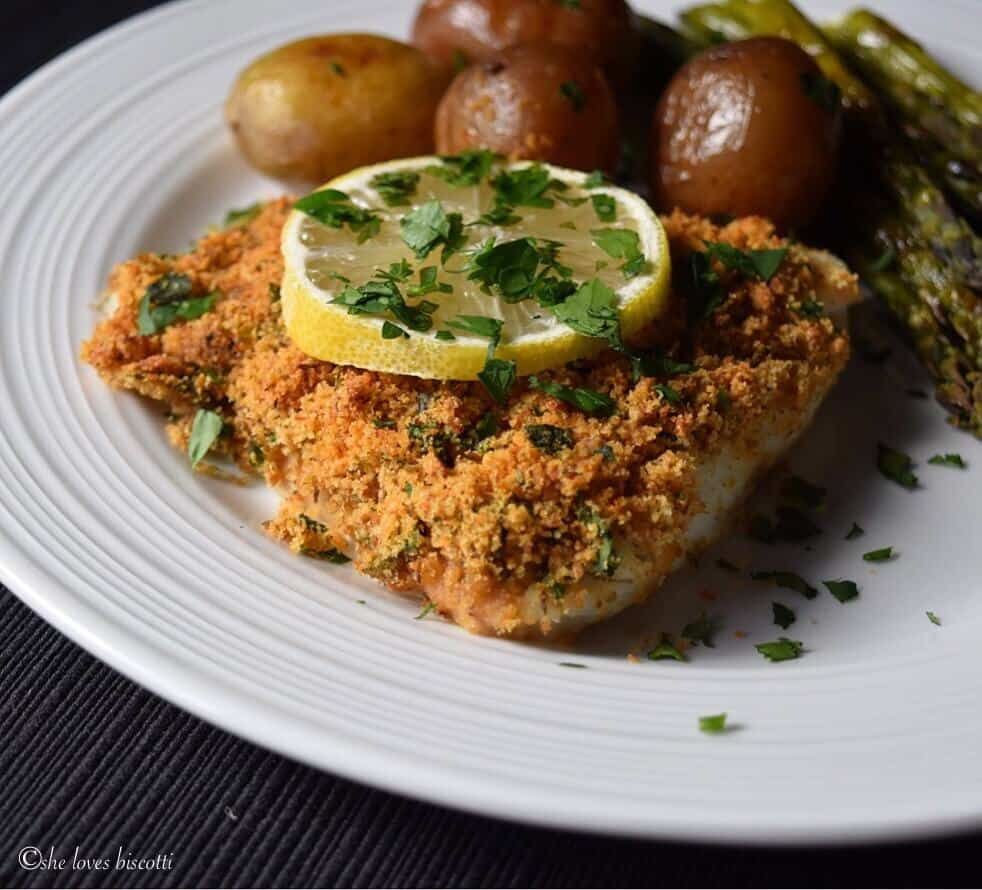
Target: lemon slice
x,y
365,235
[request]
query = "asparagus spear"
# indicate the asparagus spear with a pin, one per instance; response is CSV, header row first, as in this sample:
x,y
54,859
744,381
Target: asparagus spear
x,y
940,114
738,19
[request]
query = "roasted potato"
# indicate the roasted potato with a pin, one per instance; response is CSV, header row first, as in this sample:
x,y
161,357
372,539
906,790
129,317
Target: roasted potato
x,y
318,107
460,32
537,101
747,128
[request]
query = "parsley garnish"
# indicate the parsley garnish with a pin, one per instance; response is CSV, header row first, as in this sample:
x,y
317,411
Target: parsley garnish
x,y
702,630
656,364
498,377
338,69
948,460
800,491
822,91
382,295
896,466
781,649
331,555
672,396
572,92
933,618
470,167
445,335
486,427
509,267
664,650
760,264
392,331
384,423
789,581
429,607
783,616
809,309
607,559
706,293
242,216
605,207
335,209
428,226
397,187
843,591
166,300
312,525
622,244
571,664
855,532
428,284
479,325
588,400
881,555
596,179
526,187
713,723
592,311
205,430
548,438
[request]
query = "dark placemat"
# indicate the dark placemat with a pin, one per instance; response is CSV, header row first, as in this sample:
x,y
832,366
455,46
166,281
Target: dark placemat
x,y
91,761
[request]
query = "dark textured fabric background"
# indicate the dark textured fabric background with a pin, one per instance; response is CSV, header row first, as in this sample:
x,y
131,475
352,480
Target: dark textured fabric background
x,y
88,759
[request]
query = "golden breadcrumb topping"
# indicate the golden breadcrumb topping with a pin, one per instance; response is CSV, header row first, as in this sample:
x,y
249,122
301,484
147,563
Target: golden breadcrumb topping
x,y
427,483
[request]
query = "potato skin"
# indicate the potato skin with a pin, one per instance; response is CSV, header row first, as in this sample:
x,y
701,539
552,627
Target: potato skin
x,y
316,108
736,132
477,30
522,105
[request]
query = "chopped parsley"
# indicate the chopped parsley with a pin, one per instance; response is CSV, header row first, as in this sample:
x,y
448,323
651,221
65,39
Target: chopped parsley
x,y
605,207
789,581
205,430
168,299
654,363
857,531
572,92
312,525
428,226
607,453
622,244
392,331
592,310
933,618
498,377
705,293
801,492
383,423
470,167
486,427
702,630
242,216
587,400
572,664
781,649
809,308
429,607
445,335
783,616
896,466
381,295
512,269
843,591
548,438
331,555
882,555
713,723
760,264
428,284
670,395
596,179
665,650
948,460
822,91
335,209
479,325
338,69
526,187
606,561
397,187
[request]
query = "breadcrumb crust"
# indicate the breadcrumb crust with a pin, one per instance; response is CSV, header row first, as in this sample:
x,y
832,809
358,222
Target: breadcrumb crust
x,y
391,470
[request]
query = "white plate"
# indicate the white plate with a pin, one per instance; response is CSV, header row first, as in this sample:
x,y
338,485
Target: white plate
x,y
119,147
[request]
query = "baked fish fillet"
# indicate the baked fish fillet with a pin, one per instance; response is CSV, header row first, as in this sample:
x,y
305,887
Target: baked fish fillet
x,y
529,520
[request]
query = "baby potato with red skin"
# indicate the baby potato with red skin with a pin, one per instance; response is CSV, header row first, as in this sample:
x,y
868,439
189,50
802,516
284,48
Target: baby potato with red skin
x,y
540,102
458,32
747,129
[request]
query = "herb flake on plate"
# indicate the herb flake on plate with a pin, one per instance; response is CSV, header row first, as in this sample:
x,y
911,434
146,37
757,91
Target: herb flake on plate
x,y
884,554
781,649
783,616
205,430
895,466
844,591
713,724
